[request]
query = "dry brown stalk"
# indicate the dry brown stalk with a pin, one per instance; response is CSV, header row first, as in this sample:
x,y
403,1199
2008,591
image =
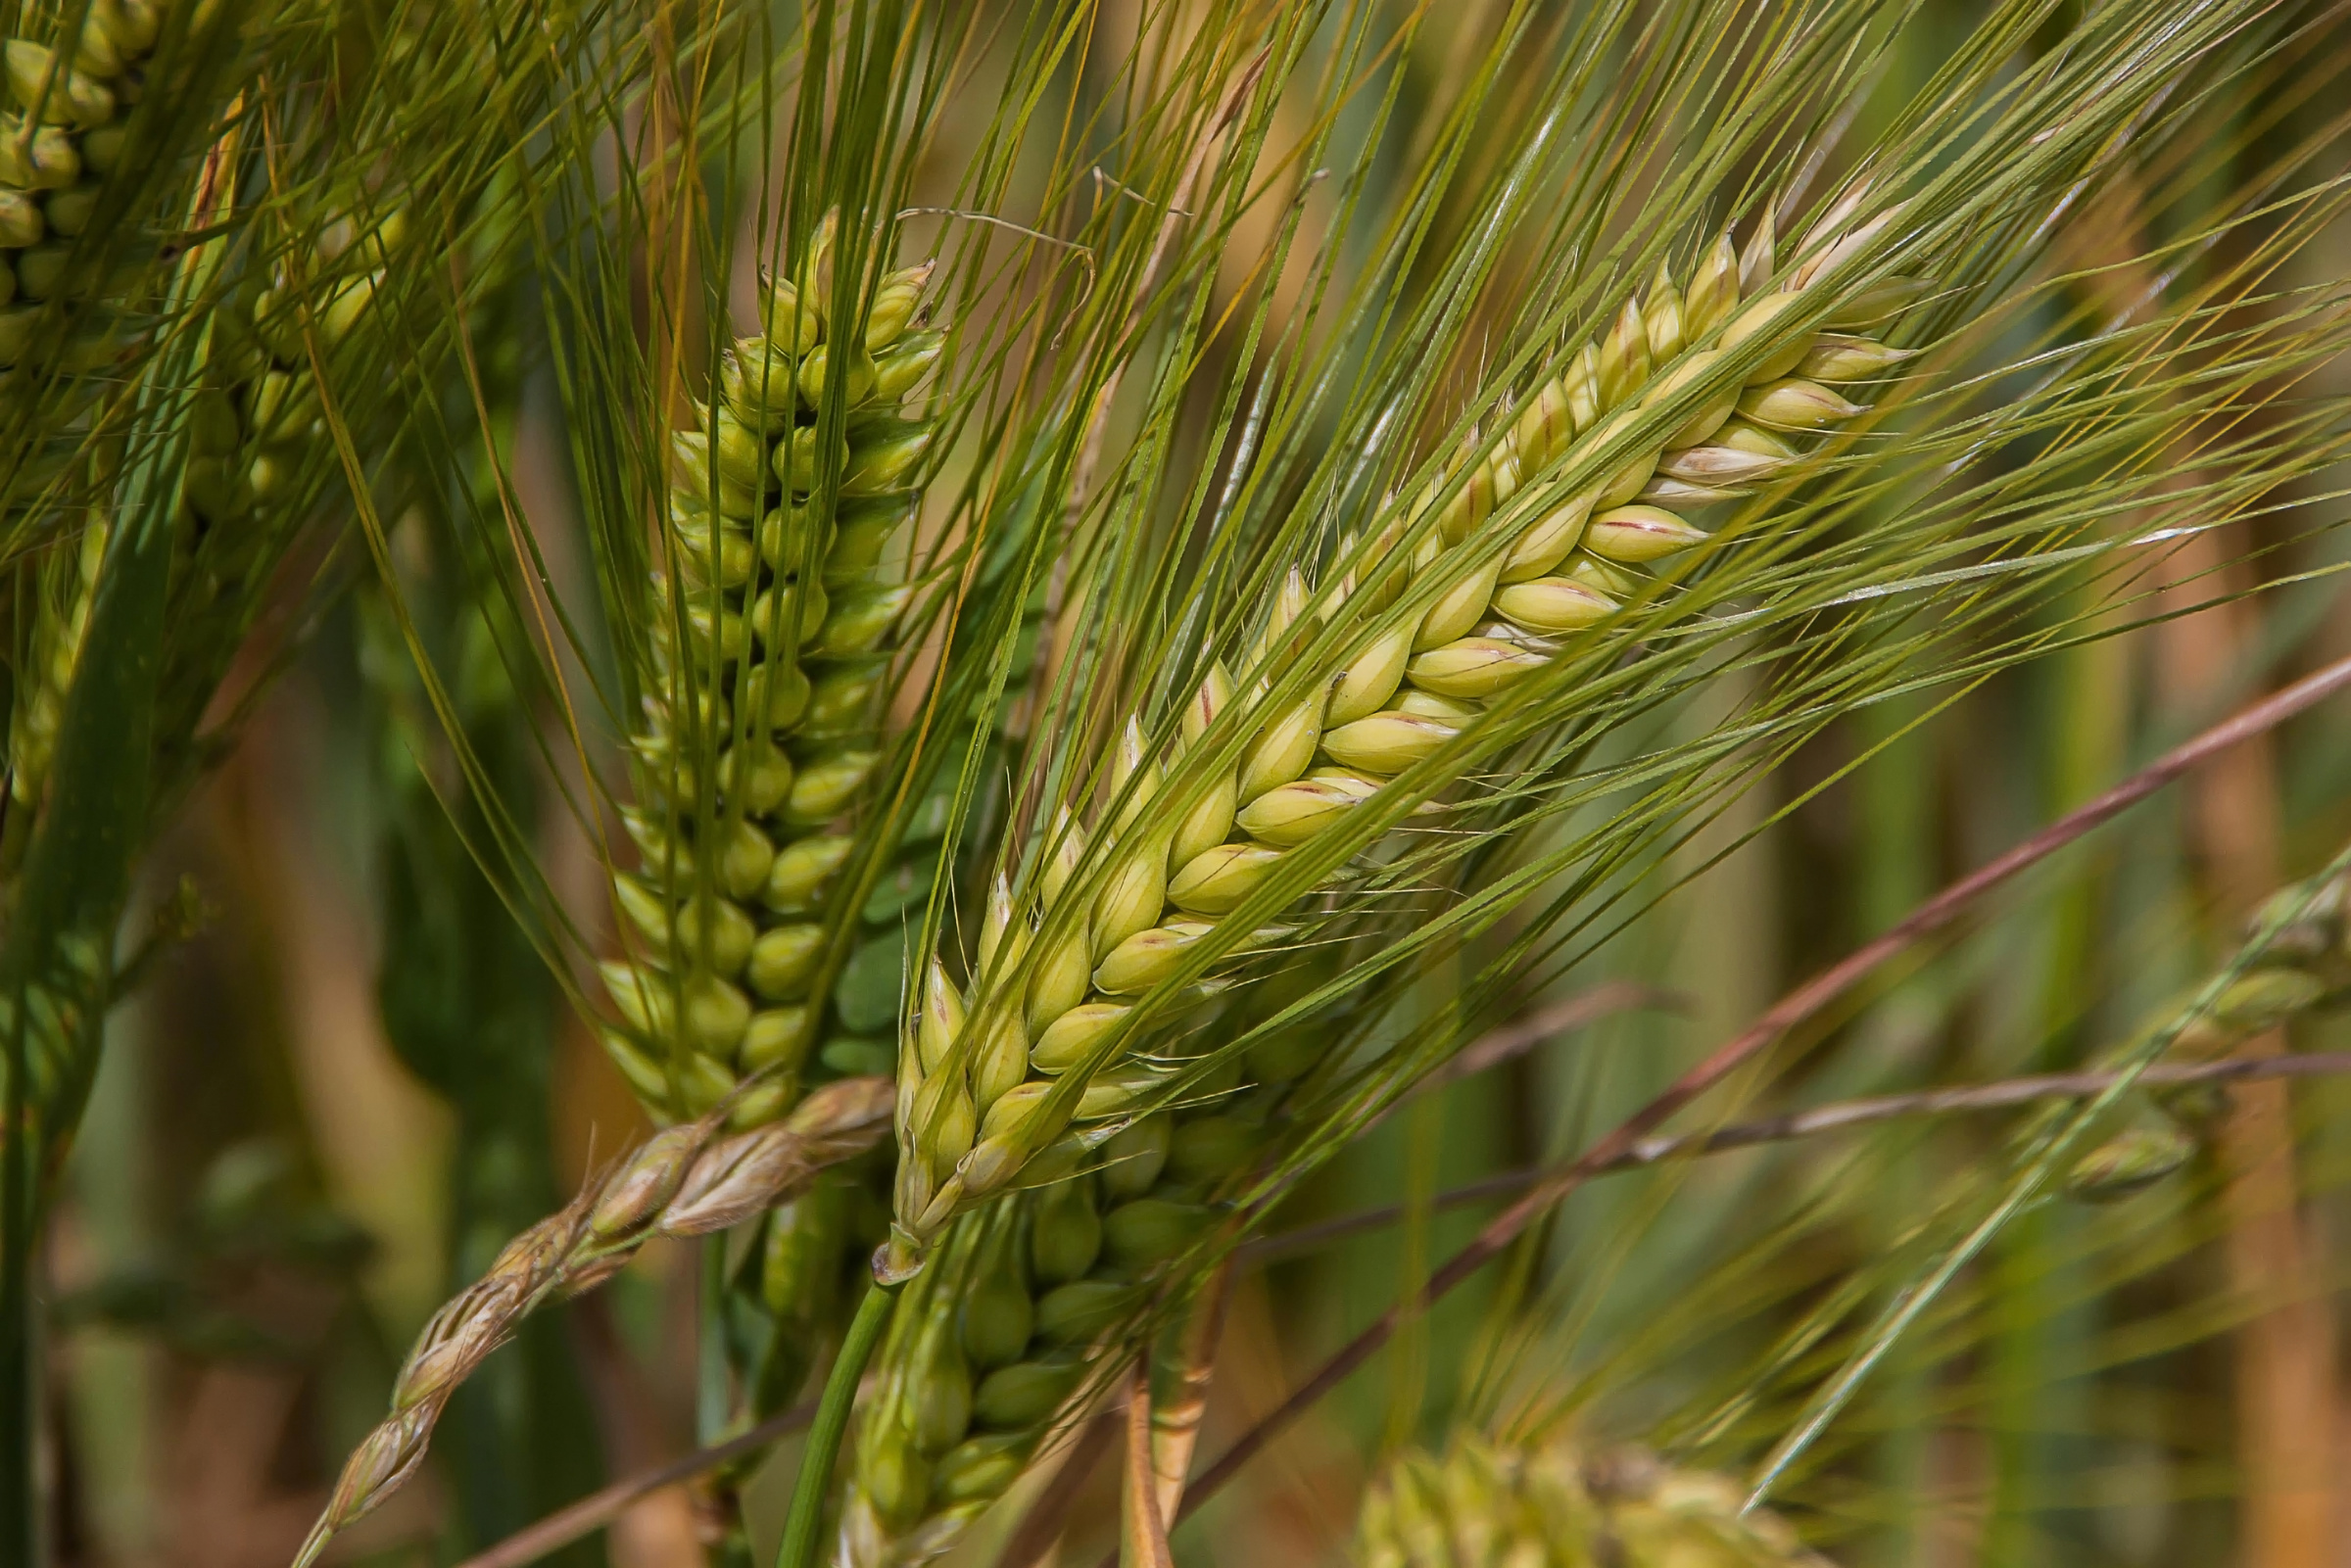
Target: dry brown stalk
x,y
684,1180
1143,1532
1181,1402
2286,1360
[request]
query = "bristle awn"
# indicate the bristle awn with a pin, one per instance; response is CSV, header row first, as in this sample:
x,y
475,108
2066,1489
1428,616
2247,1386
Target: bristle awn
x,y
692,1179
1493,610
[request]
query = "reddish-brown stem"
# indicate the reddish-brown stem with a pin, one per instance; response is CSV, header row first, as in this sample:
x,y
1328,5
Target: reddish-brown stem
x,y
2003,1094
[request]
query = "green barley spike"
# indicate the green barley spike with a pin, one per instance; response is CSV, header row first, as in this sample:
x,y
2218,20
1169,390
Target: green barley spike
x,y
788,605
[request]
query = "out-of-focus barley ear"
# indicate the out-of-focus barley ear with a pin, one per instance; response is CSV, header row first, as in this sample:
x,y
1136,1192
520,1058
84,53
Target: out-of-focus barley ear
x,y
1558,1502
2130,1161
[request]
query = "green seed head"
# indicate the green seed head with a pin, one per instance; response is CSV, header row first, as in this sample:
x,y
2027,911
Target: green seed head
x,y
774,695
42,83
1634,536
20,219
1216,881
1026,1393
2267,998
798,875
745,857
821,364
1066,1233
795,325
1296,812
895,1477
859,620
941,1396
2130,1162
1076,1314
728,940
1151,1231
997,1318
1146,958
1713,290
784,959
902,368
979,1469
48,162
1132,1160
1206,1150
1794,403
760,774
1059,975
777,1039
1387,742
1552,605
894,305
1836,357
759,385
882,459
1073,1034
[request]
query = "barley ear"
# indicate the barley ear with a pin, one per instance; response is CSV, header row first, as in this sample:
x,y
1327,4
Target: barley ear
x,y
1495,605
687,1180
768,659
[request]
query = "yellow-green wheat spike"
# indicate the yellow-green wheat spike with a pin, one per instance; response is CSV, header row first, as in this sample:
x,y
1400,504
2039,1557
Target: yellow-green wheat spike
x,y
1054,987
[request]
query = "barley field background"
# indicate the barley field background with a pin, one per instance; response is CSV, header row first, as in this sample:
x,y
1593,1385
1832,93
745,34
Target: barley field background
x,y
1551,784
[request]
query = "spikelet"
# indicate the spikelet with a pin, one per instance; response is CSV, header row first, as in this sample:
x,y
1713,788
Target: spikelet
x,y
1484,1503
1719,355
760,726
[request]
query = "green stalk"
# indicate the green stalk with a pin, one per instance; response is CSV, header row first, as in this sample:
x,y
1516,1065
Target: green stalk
x,y
804,1526
710,1401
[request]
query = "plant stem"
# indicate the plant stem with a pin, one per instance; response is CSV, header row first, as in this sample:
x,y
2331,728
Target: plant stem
x,y
710,1391
804,1526
2003,1094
